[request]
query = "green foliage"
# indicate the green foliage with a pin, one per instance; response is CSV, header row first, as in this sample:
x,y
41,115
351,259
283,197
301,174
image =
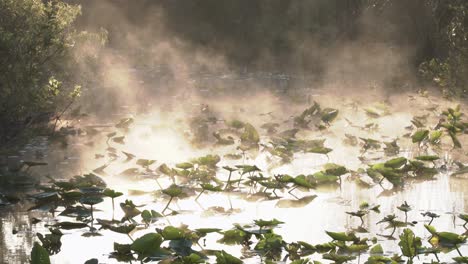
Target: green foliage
x,y
409,244
37,44
223,257
250,136
39,255
148,245
450,72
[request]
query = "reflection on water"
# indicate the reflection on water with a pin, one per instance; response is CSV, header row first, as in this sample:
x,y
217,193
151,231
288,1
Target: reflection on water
x,y
446,196
443,196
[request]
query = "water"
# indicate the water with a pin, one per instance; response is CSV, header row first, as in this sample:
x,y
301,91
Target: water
x,y
152,136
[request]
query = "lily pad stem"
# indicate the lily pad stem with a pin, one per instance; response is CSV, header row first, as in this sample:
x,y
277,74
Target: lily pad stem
x,y
167,205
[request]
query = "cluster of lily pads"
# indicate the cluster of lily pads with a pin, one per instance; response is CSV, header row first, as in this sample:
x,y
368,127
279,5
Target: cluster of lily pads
x,y
182,245
79,195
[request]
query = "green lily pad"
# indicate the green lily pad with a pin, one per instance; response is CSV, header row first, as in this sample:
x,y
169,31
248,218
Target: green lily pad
x,y
92,200
173,191
39,255
149,245
111,193
419,136
223,257
172,233
342,236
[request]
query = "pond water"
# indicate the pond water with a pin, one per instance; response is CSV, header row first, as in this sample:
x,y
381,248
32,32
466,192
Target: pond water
x,y
163,137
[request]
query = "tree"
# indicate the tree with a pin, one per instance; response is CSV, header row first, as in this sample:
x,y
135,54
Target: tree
x,y
450,69
37,40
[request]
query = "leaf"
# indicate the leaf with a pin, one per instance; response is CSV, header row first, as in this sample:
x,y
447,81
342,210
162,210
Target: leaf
x,y
233,237
334,169
338,258
208,160
303,261
111,193
461,259
329,114
118,228
409,243
434,137
405,207
450,239
237,124
193,259
222,257
396,163
371,112
211,187
150,216
380,260
173,191
303,181
295,203
230,169
250,136
92,261
370,143
148,245
353,248
323,178
419,136
248,168
129,156
204,231
119,140
376,250
130,172
145,162
70,225
428,157
172,233
456,141
341,236
124,123
320,150
92,200
78,212
270,223
184,165
39,255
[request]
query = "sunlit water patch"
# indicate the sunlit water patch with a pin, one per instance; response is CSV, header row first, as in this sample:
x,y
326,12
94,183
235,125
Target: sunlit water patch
x,y
306,214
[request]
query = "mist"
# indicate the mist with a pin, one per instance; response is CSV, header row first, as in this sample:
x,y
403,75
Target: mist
x,y
247,131
161,49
